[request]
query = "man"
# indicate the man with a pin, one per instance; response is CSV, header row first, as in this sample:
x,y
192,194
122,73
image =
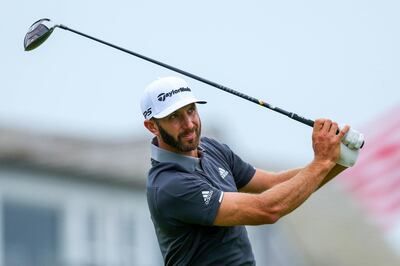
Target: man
x,y
201,194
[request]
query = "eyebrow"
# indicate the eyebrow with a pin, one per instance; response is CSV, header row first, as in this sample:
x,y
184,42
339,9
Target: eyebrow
x,y
191,105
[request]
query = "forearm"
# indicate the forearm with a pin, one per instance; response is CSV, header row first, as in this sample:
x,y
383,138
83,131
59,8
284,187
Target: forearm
x,y
267,207
287,196
288,174
283,176
263,180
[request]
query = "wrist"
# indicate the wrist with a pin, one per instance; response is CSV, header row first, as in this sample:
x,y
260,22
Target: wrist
x,y
323,165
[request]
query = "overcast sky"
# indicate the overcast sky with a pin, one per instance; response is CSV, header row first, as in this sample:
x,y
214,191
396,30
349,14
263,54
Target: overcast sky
x,y
335,59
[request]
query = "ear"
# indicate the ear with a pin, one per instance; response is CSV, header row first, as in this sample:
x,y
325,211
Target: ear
x,y
151,126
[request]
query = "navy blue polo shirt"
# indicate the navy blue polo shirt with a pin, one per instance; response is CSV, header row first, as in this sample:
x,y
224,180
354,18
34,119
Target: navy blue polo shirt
x,y
184,194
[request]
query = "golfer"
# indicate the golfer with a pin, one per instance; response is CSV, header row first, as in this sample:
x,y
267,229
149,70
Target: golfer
x,y
201,194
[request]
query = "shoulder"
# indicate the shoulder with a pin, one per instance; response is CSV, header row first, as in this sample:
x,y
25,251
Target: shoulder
x,y
210,141
165,174
216,149
213,144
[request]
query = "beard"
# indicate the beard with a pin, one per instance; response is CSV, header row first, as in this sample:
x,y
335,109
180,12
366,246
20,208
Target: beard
x,y
178,143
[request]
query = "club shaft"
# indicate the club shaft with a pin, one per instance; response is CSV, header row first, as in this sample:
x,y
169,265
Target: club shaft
x,y
188,74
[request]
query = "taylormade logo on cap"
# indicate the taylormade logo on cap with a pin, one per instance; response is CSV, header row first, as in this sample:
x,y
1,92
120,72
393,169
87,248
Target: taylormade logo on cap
x,y
164,96
161,97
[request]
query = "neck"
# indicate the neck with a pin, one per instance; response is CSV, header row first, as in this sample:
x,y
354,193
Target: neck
x,y
165,146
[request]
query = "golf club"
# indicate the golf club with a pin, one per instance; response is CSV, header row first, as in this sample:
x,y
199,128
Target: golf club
x,y
43,28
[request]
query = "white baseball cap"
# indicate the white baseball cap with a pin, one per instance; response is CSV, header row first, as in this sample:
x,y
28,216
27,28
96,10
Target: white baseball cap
x,y
166,95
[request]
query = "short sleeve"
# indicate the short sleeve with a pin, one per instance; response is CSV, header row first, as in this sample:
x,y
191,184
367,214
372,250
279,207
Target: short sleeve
x,y
242,171
189,199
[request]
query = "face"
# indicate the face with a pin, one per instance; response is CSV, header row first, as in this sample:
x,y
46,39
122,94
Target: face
x,y
181,130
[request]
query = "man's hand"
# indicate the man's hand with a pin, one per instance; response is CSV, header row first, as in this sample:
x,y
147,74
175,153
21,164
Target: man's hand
x,y
326,143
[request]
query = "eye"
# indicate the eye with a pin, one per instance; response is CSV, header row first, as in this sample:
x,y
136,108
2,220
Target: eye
x,y
172,116
192,109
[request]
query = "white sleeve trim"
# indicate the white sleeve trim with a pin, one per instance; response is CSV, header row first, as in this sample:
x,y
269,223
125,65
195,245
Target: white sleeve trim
x,y
221,196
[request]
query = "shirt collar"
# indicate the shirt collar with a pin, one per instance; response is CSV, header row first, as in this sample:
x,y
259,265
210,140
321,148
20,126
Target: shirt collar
x,y
187,162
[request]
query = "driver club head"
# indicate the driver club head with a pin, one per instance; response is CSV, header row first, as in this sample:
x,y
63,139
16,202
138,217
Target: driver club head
x,y
38,33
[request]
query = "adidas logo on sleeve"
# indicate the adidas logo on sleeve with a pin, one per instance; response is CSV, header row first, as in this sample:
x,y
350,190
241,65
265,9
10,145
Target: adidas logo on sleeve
x,y
207,196
222,172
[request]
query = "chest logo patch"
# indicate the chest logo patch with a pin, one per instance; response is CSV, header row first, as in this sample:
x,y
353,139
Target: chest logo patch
x,y
222,172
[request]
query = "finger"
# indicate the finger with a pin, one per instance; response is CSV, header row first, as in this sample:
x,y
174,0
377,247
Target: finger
x,y
334,128
327,125
318,124
343,131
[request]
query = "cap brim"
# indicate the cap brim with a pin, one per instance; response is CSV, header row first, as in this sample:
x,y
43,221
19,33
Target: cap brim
x,y
177,106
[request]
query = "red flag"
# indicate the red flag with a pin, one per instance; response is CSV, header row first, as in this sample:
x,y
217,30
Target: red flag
x,y
375,179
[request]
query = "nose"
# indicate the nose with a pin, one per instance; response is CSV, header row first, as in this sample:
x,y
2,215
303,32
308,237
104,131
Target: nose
x,y
187,121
